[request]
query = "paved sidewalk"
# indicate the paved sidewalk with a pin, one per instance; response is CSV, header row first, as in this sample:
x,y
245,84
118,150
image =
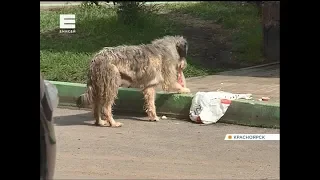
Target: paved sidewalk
x,y
260,82
168,149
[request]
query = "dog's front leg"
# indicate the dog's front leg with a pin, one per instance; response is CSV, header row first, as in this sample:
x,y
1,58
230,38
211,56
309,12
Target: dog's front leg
x,y
150,107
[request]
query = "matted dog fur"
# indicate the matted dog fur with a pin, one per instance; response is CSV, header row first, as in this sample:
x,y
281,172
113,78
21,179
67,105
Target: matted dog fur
x,y
142,66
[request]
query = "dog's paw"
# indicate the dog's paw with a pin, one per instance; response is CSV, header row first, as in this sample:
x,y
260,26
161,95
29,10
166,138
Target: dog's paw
x,y
184,90
101,123
154,118
116,124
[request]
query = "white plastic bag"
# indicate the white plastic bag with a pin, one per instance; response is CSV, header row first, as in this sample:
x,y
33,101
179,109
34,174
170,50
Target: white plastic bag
x,y
209,107
53,93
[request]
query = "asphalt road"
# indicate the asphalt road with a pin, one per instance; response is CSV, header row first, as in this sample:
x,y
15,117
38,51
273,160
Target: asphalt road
x,y
169,149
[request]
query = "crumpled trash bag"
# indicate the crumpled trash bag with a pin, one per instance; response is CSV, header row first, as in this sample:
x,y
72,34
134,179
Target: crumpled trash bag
x,y
53,93
209,107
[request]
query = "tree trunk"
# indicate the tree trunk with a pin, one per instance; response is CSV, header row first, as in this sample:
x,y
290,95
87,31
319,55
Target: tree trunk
x,y
271,30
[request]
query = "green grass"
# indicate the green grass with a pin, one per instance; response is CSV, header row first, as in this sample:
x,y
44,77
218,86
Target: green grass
x,y
65,57
242,20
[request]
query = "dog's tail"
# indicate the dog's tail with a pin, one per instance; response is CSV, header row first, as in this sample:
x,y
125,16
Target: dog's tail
x,y
86,99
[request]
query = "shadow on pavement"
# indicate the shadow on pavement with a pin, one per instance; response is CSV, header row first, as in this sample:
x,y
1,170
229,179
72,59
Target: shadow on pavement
x,y
87,119
76,119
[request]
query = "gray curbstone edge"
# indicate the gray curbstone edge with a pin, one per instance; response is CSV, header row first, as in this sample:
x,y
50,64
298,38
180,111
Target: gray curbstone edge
x,y
242,112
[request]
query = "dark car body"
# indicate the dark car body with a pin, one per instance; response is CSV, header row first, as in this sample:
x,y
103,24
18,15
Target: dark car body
x,y
47,135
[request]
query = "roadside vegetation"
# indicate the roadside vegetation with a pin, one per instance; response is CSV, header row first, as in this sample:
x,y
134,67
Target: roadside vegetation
x,y
65,57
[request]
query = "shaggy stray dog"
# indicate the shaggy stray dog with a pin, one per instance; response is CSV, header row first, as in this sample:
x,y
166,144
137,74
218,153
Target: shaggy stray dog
x,y
144,66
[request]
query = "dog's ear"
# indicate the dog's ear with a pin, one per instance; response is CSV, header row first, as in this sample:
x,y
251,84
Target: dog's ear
x,y
182,48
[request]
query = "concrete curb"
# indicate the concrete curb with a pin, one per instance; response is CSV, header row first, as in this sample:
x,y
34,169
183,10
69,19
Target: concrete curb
x,y
243,112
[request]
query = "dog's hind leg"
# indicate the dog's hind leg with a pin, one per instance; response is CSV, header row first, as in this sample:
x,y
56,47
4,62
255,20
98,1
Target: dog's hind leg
x,y
97,114
113,82
109,116
150,107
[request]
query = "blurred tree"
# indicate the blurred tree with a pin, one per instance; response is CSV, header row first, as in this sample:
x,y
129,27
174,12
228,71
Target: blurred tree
x,y
271,30
128,11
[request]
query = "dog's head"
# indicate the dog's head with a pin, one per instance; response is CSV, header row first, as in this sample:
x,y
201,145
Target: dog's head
x,y
80,101
182,48
180,45
179,41
83,101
